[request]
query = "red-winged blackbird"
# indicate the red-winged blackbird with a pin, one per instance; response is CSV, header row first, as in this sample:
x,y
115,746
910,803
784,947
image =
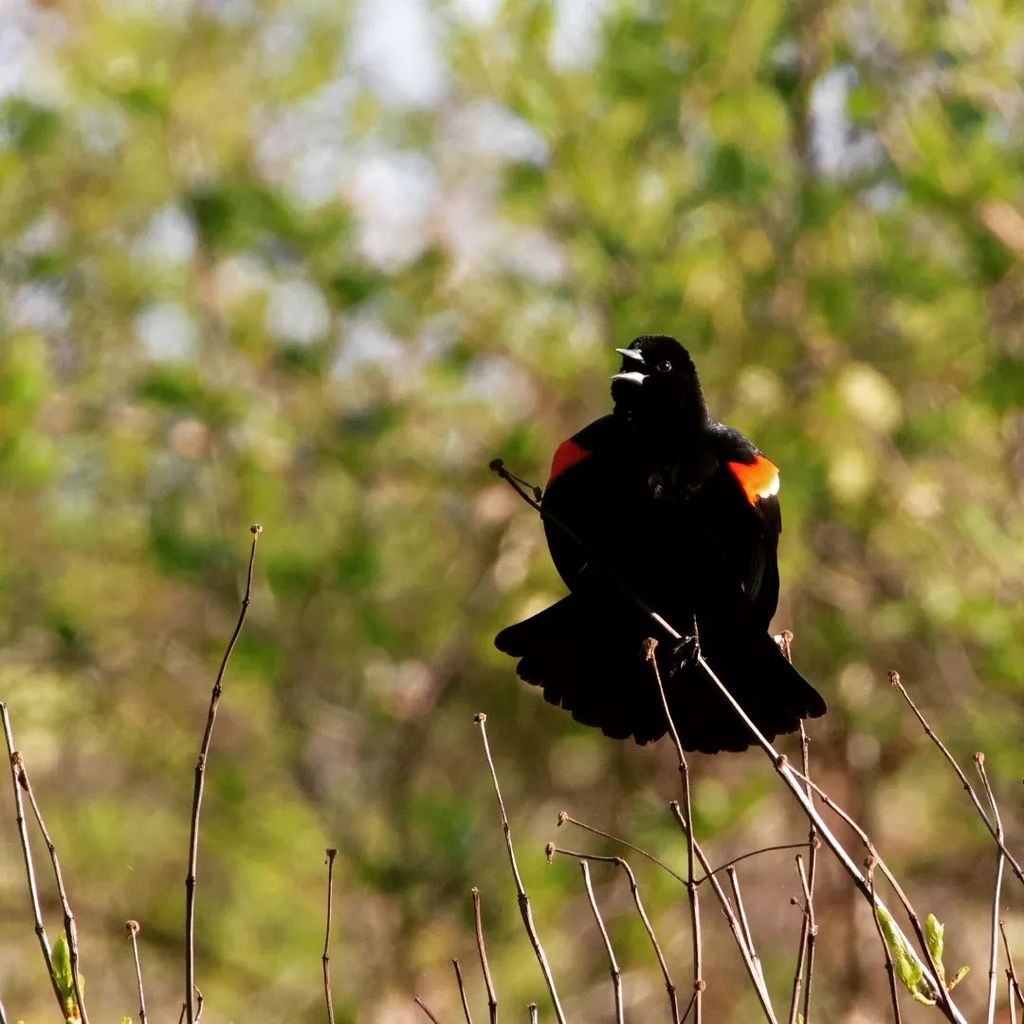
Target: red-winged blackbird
x,y
683,509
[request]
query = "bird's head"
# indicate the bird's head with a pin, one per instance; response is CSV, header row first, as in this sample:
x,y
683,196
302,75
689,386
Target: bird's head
x,y
657,377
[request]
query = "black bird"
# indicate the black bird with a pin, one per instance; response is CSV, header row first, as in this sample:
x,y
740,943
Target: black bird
x,y
684,510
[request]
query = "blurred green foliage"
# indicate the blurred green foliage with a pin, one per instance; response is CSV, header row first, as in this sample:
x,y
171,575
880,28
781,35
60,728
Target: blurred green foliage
x,y
314,265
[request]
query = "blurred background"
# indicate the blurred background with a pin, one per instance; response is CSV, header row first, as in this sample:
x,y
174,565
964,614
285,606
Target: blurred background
x,y
314,264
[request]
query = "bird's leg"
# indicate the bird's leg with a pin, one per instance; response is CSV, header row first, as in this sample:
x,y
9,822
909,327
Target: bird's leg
x,y
687,650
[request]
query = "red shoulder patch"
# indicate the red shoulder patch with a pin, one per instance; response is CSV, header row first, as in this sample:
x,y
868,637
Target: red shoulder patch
x,y
759,479
567,454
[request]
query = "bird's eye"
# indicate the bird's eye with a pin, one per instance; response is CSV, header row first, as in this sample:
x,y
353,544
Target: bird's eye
x,y
664,366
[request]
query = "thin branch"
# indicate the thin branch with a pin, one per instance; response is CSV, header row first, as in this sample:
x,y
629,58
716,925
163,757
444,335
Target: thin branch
x,y
734,924
894,679
524,901
26,851
931,968
70,928
741,912
808,931
492,996
692,896
781,764
804,974
532,1008
613,965
191,1009
426,1009
564,816
132,929
634,889
890,969
3,1013
789,775
997,888
689,1007
752,853
1011,999
325,960
811,941
1011,970
462,991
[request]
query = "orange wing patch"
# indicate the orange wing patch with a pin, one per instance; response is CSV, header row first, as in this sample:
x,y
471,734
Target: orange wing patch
x,y
759,479
567,455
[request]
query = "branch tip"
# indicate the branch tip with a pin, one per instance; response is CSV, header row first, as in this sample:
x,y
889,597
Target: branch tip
x,y
480,717
132,928
255,529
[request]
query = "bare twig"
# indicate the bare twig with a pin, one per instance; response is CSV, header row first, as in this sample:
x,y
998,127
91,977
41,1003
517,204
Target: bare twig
x,y
565,816
325,960
191,1009
613,965
782,766
734,925
3,1013
751,853
70,928
426,1009
462,992
132,930
804,974
1011,970
741,913
492,996
26,851
790,775
532,1009
689,1007
894,679
997,888
634,889
524,901
890,969
931,968
1011,998
687,818
808,930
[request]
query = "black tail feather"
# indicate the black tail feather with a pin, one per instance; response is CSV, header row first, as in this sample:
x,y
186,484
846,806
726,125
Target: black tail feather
x,y
586,653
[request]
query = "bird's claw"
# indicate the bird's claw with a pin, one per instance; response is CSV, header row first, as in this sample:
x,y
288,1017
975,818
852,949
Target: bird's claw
x,y
685,653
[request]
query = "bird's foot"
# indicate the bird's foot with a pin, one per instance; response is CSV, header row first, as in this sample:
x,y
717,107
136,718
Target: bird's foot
x,y
685,653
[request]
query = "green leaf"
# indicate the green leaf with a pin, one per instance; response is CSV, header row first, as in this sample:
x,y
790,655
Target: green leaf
x,y
958,977
934,933
908,967
60,958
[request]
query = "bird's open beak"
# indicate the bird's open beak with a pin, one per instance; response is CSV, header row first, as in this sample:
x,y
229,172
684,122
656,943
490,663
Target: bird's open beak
x,y
633,376
631,355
